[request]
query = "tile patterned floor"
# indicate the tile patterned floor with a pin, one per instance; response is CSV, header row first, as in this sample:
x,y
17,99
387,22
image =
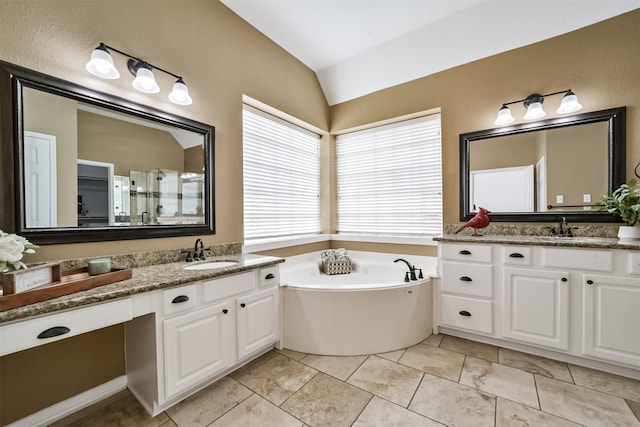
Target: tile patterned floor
x,y
443,381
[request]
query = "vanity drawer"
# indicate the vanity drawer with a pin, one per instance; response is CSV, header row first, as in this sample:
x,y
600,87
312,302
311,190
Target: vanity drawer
x,y
268,277
634,263
517,255
227,286
467,279
177,300
466,252
54,327
466,313
579,259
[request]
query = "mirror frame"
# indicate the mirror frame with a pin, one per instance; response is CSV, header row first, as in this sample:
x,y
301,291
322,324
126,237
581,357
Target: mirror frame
x,y
616,161
12,79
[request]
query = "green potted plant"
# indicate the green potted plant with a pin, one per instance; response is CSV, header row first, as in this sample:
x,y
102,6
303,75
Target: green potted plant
x,y
625,202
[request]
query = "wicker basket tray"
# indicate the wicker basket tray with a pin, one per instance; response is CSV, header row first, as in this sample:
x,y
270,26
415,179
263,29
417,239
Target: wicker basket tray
x,y
342,266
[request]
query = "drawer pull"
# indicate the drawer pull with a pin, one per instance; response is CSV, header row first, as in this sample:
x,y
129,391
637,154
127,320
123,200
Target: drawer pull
x,y
465,313
589,282
54,332
564,279
179,299
269,276
464,252
516,255
225,311
243,305
466,279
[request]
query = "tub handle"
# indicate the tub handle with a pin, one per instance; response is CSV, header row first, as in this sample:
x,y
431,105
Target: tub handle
x,y
466,279
464,252
465,313
269,276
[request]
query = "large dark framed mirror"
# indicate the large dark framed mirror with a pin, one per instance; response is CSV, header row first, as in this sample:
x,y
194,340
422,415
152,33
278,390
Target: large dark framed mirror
x,y
82,166
546,170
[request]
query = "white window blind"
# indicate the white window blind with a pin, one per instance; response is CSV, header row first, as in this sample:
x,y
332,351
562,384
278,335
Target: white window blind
x,y
390,179
281,178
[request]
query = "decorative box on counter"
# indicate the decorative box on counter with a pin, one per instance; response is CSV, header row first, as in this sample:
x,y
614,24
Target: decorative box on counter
x,y
335,261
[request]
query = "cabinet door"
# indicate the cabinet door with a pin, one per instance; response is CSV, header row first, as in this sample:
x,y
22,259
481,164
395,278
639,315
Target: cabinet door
x,y
611,313
196,346
258,321
536,307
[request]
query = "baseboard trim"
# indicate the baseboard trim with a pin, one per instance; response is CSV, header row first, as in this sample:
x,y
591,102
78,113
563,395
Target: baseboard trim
x,y
73,404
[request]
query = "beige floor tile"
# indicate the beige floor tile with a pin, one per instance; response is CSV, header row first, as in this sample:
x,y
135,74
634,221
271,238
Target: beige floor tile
x,y
276,379
512,414
434,340
256,411
295,355
394,356
503,381
169,424
326,401
126,412
337,366
582,405
380,412
386,379
635,408
436,361
453,404
254,364
607,383
90,409
470,348
535,364
207,405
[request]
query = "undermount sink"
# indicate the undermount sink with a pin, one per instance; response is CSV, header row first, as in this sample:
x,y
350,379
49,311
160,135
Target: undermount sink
x,y
210,265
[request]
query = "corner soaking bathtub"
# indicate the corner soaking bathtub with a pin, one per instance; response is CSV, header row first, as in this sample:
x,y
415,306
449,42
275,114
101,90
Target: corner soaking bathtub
x,y
371,310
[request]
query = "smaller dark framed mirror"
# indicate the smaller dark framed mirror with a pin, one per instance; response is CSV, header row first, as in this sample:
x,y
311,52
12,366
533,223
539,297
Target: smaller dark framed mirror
x,y
545,170
82,166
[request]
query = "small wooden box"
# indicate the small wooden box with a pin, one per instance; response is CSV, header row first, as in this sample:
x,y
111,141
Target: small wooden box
x,y
14,282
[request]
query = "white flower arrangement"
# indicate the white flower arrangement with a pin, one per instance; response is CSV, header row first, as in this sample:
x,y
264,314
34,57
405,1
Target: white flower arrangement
x,y
12,249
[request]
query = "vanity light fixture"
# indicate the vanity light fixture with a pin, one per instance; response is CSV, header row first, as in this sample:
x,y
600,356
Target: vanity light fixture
x,y
101,65
533,104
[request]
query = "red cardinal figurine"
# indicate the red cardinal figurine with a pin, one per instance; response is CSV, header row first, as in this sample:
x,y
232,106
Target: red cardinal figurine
x,y
481,220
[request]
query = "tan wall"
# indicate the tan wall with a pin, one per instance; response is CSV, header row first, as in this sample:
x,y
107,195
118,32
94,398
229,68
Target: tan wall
x,y
52,115
127,145
504,152
220,58
194,159
601,63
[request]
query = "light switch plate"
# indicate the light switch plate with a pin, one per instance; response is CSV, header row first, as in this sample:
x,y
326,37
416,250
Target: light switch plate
x,y
559,198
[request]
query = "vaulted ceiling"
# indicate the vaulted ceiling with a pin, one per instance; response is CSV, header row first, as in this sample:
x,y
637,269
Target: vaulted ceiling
x,y
357,47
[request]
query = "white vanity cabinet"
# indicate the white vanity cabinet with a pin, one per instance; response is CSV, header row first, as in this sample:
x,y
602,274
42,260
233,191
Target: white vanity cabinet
x,y
573,303
611,310
200,332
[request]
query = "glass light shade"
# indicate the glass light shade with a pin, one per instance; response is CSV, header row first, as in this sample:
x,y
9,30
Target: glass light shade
x,y
180,94
504,116
534,111
145,81
569,104
101,64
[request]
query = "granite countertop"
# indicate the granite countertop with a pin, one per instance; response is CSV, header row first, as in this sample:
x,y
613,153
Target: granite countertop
x,y
569,242
144,279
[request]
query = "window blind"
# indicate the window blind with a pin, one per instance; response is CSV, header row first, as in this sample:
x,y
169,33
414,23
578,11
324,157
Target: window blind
x,y
281,178
390,179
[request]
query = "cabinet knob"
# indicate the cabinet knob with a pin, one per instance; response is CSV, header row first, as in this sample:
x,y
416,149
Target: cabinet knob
x,y
179,299
53,332
564,279
225,311
269,276
466,279
243,305
589,282
516,255
465,313
464,252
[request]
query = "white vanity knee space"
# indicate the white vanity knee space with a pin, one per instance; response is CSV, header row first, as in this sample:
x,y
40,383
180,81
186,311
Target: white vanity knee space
x,y
573,303
200,332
